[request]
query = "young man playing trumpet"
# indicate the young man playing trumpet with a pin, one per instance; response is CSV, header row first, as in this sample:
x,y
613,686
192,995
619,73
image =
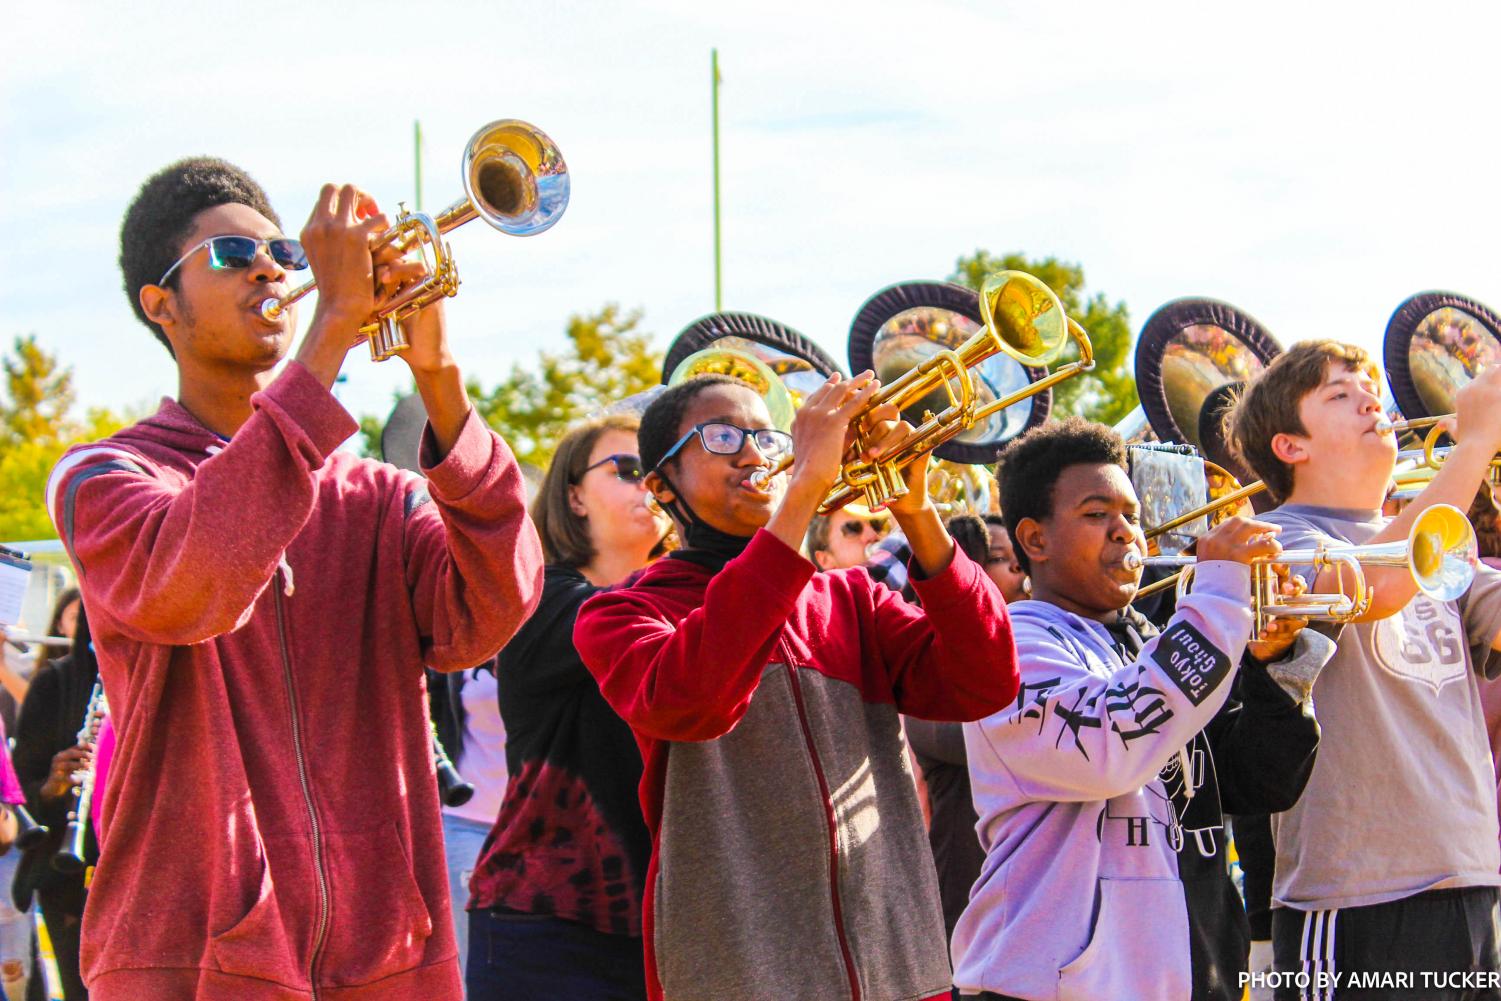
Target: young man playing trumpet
x,y
1101,789
1387,868
262,607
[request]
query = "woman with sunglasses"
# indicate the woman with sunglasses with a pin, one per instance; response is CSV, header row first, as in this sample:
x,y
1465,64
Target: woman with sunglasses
x,y
789,857
556,905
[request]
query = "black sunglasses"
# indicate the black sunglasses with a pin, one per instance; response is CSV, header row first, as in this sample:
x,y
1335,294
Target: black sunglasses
x,y
854,529
239,252
627,467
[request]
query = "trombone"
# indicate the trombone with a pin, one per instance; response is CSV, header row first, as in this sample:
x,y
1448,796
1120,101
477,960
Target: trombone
x,y
1024,319
1439,552
514,179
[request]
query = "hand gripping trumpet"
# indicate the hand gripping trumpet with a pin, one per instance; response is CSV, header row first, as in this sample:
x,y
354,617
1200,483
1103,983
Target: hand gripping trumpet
x,y
1022,318
1439,552
514,179
70,857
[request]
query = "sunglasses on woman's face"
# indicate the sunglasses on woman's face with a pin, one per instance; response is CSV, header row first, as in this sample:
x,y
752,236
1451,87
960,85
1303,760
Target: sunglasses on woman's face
x,y
226,252
627,467
855,529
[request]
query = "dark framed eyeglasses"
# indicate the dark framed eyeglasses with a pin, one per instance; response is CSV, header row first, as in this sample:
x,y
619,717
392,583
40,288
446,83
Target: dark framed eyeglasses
x,y
856,527
239,252
627,467
729,439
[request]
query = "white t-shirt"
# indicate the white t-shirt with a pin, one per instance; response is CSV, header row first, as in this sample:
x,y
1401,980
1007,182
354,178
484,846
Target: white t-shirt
x,y
1402,797
483,761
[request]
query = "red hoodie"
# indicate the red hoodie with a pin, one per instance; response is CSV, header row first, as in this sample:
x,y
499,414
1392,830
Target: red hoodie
x,y
789,858
262,610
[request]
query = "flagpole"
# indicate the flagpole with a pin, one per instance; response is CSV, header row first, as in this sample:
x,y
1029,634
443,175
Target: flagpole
x,y
417,158
718,267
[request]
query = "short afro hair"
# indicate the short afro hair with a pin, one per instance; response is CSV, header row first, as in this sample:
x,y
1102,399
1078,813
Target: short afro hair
x,y
970,534
1031,465
162,214
659,424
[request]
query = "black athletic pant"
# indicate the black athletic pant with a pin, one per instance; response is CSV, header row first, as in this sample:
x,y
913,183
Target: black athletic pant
x,y
1435,946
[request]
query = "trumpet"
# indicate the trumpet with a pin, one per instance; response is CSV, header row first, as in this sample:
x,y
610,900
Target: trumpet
x,y
514,179
1024,319
1439,552
70,857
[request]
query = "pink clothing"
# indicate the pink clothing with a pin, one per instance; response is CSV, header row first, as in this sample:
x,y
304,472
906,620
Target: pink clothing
x,y
104,753
10,784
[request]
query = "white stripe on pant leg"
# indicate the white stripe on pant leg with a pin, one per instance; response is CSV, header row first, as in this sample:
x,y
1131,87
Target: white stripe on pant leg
x,y
1329,966
1305,952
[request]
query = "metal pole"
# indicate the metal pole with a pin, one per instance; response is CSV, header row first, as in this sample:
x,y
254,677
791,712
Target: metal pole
x,y
718,260
417,157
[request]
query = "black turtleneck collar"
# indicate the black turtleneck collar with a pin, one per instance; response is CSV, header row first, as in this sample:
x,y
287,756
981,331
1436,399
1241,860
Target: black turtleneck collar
x,y
703,544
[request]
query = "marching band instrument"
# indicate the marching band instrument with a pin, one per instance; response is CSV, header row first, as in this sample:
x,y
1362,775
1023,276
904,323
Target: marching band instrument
x,y
961,489
1440,553
1188,349
514,179
1022,318
1434,343
452,789
70,857
906,324
29,833
748,369
1170,480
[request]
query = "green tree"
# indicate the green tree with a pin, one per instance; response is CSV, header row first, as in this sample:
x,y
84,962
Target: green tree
x,y
38,393
1107,393
36,427
607,359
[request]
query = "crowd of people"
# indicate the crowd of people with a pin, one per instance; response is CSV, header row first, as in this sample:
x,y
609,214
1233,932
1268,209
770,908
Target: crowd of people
x,y
725,746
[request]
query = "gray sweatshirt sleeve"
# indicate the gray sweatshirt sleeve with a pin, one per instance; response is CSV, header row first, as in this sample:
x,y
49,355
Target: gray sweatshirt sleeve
x,y
1078,734
1481,608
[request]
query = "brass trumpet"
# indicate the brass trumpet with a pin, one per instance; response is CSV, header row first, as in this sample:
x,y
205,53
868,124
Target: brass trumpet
x,y
514,179
1022,318
1439,552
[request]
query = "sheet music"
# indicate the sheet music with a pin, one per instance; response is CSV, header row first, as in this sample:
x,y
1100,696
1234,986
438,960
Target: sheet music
x,y
15,572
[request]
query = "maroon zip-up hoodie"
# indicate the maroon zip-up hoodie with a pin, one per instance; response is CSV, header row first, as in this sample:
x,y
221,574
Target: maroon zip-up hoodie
x,y
789,859
262,610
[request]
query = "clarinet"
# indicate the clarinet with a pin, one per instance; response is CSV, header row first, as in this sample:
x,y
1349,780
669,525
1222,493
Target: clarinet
x,y
29,833
70,857
452,789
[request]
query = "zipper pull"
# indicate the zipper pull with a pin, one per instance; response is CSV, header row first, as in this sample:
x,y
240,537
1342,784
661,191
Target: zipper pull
x,y
287,587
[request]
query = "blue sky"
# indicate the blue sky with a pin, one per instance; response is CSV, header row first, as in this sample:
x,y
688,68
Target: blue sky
x,y
1313,164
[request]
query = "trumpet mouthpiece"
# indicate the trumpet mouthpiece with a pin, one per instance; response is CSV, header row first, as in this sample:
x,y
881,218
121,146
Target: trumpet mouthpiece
x,y
271,308
1385,426
1131,560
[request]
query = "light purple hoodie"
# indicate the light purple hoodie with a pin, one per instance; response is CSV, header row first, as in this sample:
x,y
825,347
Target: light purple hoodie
x,y
1079,896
